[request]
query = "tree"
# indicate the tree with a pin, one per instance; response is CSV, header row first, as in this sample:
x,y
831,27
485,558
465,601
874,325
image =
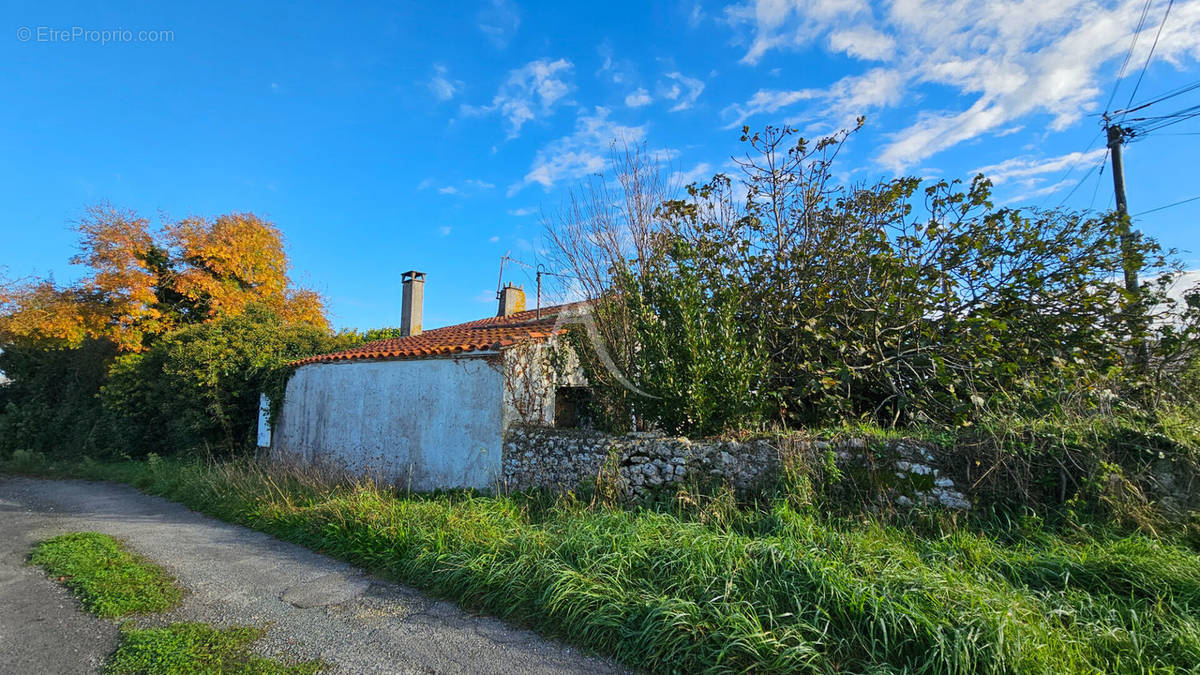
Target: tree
x,y
197,388
156,323
144,283
897,302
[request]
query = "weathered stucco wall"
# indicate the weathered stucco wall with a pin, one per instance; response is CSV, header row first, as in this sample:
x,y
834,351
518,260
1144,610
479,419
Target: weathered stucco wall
x,y
421,424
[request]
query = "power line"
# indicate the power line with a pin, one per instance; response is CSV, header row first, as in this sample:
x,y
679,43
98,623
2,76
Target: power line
x,y
1167,206
1160,98
1128,55
1099,179
1071,169
1150,55
1084,179
1157,122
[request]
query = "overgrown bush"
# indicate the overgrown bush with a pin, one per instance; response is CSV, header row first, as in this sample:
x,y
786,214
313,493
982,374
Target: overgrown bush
x,y
197,389
898,303
50,405
701,366
194,390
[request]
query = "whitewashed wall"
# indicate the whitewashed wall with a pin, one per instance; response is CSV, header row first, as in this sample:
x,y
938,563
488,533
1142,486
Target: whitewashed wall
x,y
422,424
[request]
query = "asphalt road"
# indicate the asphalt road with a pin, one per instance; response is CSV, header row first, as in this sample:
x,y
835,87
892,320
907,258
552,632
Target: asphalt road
x,y
313,606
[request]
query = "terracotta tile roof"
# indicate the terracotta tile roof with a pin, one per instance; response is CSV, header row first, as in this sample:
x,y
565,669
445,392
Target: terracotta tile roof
x,y
488,334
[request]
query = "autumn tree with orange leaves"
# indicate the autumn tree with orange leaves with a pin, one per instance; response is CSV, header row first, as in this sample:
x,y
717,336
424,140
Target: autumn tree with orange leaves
x,y
146,282
162,346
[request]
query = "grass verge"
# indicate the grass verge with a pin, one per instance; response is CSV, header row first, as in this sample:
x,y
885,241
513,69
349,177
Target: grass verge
x,y
707,586
109,580
189,648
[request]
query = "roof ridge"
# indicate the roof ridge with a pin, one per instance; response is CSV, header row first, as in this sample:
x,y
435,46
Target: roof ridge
x,y
489,333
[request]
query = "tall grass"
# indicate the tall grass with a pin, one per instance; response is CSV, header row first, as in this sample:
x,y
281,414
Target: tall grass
x,y
710,587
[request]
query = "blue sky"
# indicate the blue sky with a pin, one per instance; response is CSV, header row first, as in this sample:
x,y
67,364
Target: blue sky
x,y
391,136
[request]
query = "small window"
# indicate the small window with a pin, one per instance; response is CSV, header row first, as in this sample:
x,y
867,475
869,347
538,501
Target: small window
x,y
572,407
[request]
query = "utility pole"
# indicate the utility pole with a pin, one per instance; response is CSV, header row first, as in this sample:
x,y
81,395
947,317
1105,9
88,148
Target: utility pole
x,y
1131,260
1129,257
539,290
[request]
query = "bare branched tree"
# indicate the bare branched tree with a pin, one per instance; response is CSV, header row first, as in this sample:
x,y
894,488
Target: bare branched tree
x,y
609,225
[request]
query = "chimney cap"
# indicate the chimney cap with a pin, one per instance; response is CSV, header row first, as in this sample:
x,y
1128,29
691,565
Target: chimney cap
x,y
413,274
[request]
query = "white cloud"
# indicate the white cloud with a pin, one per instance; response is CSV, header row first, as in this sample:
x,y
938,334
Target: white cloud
x,y
766,101
529,92
638,99
1026,167
521,212
581,153
499,20
853,95
682,89
862,42
442,86
1011,60
493,239
469,185
616,69
779,23
699,173
1040,191
444,230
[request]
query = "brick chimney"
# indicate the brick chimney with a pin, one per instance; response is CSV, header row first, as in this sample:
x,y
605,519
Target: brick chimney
x,y
512,300
412,302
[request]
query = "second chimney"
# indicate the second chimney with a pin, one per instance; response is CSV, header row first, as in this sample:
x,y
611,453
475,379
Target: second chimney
x,y
412,302
512,300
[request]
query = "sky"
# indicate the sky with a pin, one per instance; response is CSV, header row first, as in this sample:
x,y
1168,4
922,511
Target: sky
x,y
383,137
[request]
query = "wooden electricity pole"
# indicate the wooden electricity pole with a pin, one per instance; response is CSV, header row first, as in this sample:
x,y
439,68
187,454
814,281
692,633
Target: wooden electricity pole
x,y
1129,257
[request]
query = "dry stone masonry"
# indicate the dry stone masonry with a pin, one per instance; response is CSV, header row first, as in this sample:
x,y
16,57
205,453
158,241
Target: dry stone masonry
x,y
642,464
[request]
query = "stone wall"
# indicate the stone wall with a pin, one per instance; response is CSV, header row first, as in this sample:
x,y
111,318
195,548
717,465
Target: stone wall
x,y
639,465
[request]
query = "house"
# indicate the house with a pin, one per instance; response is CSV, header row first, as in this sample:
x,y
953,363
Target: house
x,y
430,409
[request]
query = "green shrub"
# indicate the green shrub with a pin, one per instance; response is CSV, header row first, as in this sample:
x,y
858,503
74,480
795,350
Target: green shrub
x,y
197,389
50,405
790,294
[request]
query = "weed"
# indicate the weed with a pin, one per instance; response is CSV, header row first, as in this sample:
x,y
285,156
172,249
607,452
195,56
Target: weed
x,y
188,648
707,584
109,580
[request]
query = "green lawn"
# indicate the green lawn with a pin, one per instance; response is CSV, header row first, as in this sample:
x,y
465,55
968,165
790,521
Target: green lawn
x,y
714,587
109,580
